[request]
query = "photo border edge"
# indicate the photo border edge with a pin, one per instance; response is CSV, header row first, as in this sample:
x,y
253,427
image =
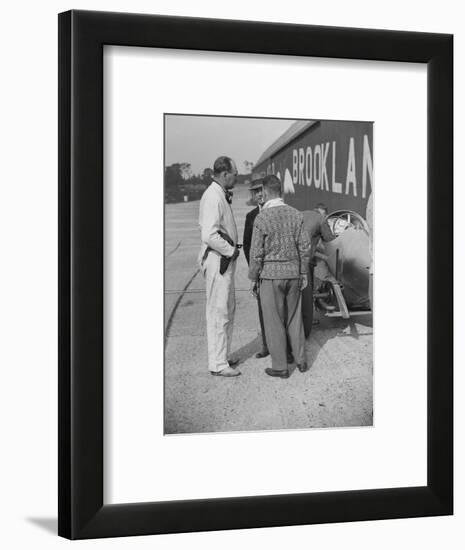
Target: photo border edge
x,y
81,511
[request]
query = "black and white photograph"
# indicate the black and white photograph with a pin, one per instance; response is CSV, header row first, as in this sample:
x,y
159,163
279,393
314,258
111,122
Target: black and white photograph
x,y
218,329
268,273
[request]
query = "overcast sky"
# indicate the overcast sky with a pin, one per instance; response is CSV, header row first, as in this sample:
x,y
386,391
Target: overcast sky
x,y
199,140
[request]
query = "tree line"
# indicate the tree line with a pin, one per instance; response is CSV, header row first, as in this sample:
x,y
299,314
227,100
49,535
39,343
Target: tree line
x,y
181,184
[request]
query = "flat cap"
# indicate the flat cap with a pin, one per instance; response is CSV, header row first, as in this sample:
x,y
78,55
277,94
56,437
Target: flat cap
x,y
256,184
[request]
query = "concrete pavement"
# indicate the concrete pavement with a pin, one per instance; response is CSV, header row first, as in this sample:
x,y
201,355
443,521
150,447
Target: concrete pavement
x,y
336,391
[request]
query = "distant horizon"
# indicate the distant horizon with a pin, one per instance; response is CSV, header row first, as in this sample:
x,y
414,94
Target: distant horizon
x,y
239,173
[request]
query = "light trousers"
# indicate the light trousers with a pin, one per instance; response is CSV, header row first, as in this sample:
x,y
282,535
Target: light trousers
x,y
220,309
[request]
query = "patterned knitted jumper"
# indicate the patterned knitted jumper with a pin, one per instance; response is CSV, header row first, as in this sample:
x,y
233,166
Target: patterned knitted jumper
x,y
280,246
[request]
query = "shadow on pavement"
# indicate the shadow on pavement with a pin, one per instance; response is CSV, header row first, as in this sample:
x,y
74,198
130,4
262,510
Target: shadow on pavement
x,y
334,327
248,350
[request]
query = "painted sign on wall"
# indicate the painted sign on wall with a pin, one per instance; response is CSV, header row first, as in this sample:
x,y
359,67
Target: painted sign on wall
x,y
331,162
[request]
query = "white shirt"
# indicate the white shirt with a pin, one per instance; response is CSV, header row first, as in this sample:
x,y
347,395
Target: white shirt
x,y
278,201
215,214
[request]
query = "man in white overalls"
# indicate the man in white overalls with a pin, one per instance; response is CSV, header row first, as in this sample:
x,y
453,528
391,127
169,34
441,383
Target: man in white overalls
x,y
218,249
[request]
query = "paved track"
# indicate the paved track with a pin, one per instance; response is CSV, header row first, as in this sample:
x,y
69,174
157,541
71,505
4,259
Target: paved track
x,y
336,391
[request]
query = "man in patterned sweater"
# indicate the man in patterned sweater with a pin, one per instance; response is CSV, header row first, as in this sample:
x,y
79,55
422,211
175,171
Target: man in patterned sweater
x,y
278,269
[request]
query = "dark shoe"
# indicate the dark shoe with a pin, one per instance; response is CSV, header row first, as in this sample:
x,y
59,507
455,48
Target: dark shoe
x,y
228,372
233,362
261,354
303,367
277,373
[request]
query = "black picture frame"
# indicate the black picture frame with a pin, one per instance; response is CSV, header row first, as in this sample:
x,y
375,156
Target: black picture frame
x,y
82,512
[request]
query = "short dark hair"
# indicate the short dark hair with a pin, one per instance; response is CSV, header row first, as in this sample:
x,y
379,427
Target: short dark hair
x,y
222,164
272,183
